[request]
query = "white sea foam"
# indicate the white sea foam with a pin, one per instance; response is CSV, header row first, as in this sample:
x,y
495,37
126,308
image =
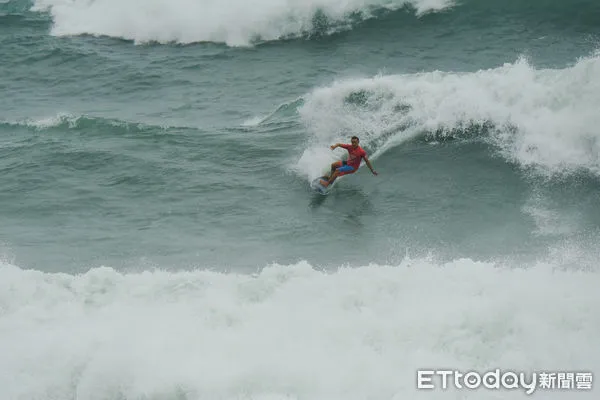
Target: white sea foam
x,y
235,22
289,332
47,122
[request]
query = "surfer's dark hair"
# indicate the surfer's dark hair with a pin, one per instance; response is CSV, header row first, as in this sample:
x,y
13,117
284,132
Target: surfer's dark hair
x,y
355,137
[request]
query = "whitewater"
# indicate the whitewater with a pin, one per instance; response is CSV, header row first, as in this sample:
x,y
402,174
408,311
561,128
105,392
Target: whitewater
x,y
236,23
289,332
543,119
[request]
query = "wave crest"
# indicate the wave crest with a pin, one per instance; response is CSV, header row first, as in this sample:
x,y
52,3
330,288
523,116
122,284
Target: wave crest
x,y
545,119
236,23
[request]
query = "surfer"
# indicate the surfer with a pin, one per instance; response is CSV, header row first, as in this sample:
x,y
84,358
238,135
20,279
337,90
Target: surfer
x,y
350,166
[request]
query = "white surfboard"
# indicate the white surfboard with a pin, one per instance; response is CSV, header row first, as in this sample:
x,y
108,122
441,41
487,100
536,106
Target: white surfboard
x,y
318,186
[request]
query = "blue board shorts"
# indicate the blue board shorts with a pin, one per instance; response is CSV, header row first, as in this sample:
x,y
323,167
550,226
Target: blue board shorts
x,y
345,168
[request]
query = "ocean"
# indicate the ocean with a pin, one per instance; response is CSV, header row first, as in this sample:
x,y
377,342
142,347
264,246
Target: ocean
x,y
160,240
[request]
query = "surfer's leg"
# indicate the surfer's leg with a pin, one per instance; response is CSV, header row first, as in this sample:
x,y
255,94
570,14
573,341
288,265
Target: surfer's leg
x,y
332,178
341,171
334,166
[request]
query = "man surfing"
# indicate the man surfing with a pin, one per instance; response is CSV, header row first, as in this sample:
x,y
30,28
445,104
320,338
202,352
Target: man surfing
x,y
350,166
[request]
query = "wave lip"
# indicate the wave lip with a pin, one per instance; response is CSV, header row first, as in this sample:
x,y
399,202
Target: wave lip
x,y
541,119
236,23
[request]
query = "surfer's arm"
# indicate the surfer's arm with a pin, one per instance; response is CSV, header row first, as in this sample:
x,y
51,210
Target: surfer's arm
x,y
369,165
335,146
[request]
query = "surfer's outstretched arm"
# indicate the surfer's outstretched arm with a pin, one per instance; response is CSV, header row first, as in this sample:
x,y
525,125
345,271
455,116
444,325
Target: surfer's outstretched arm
x,y
369,165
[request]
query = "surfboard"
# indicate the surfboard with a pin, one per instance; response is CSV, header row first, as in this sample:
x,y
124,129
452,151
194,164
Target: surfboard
x,y
318,186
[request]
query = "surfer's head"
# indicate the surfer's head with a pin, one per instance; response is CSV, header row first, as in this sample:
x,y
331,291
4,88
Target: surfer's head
x,y
354,140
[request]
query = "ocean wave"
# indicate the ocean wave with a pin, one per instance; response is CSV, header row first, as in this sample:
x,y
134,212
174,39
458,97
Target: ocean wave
x,y
288,332
237,24
14,7
286,112
67,121
540,119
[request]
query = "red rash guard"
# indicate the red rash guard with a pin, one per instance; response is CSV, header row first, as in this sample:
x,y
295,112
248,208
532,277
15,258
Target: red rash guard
x,y
355,155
